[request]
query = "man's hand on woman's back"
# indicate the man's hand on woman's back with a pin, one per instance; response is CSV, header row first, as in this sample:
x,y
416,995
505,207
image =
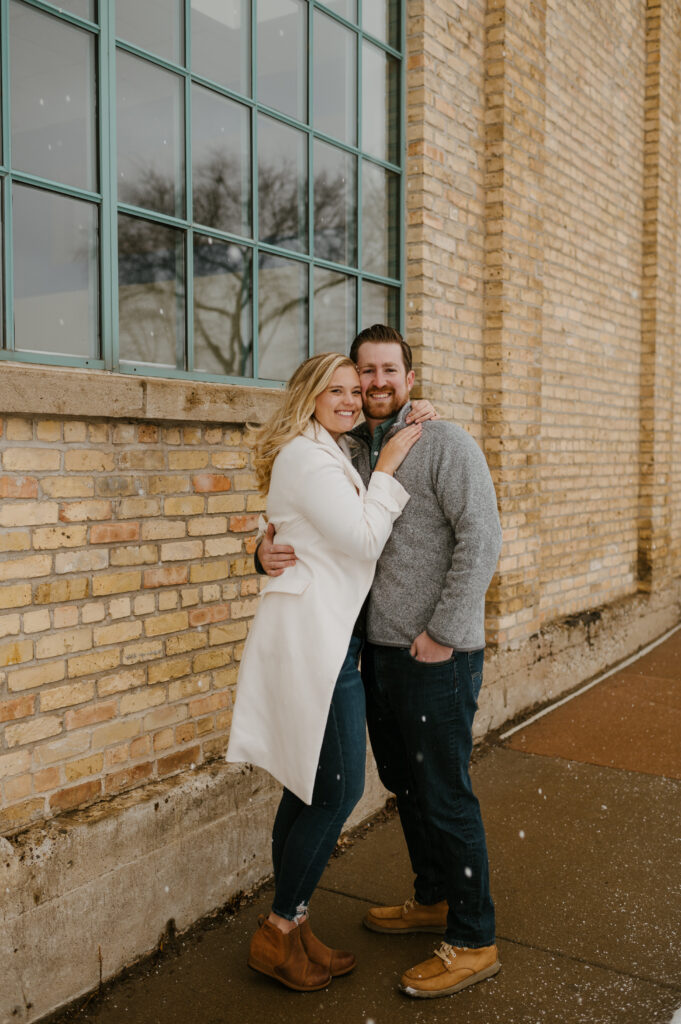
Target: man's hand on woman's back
x,y
274,558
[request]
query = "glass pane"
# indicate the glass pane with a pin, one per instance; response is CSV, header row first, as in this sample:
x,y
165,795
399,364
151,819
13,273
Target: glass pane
x,y
381,18
2,267
53,98
56,273
223,329
335,204
150,292
282,185
150,116
221,42
83,8
282,311
221,162
335,79
380,305
381,106
334,311
282,56
380,221
154,25
346,8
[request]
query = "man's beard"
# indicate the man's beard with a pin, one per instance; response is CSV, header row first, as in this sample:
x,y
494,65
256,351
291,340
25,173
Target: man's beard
x,y
385,409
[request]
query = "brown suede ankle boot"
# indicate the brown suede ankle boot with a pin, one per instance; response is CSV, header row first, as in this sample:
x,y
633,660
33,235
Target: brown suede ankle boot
x,y
336,961
281,956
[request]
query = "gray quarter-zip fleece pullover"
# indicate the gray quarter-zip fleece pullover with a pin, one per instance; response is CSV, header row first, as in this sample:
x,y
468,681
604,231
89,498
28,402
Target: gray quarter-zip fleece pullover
x,y
443,550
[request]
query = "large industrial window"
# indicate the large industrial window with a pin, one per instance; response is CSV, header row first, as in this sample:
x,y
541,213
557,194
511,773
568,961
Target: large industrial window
x,y
199,188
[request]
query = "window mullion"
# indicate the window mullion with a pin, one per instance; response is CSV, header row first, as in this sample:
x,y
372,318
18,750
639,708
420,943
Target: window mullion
x,y
109,187
8,285
188,355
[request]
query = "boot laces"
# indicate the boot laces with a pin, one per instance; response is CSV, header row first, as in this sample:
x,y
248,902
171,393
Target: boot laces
x,y
409,905
446,953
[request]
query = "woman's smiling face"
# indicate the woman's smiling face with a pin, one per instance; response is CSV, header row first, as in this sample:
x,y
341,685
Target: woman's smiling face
x,y
338,407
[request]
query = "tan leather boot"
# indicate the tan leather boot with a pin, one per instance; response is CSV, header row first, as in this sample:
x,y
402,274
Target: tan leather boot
x,y
281,955
411,917
449,970
336,961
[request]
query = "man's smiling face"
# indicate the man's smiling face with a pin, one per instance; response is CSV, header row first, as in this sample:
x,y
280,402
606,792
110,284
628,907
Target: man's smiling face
x,y
384,379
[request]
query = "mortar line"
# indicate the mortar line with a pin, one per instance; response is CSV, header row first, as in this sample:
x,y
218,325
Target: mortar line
x,y
617,668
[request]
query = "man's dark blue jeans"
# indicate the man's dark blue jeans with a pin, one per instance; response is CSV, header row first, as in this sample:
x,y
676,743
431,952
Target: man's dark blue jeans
x,y
420,718
304,836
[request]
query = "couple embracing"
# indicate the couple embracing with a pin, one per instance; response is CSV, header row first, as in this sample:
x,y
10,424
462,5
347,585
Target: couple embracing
x,y
402,509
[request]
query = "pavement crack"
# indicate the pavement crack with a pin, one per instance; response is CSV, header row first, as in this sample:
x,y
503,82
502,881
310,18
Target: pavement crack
x,y
601,965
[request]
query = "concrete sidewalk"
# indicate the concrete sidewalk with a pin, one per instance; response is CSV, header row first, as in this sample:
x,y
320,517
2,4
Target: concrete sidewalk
x,y
583,816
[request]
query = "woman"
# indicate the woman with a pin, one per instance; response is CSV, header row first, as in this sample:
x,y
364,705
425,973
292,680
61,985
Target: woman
x,y
300,702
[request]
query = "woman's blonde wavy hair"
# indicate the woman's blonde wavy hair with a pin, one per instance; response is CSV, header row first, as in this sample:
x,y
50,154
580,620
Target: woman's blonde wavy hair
x,y
308,382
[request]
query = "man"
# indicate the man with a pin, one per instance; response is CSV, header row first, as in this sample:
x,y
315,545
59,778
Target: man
x,y
422,667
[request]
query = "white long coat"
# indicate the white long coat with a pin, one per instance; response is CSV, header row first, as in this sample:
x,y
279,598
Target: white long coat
x,y
302,628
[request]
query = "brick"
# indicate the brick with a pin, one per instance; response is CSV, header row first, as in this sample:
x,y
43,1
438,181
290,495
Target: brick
x,y
167,484
60,537
227,634
26,568
65,642
87,460
171,575
167,600
183,688
140,747
63,749
67,486
185,733
191,435
145,604
18,789
116,583
75,432
179,759
165,716
75,796
181,550
32,731
241,609
209,571
147,433
183,642
212,702
119,633
203,525
15,597
18,487
20,460
21,814
117,755
66,696
229,460
142,699
119,607
226,503
190,597
168,670
36,622
118,682
241,567
15,652
19,429
65,615
115,732
114,533
46,780
48,430
93,612
18,540
217,546
163,529
98,433
85,766
145,651
170,623
214,613
79,718
28,513
64,590
209,483
20,707
142,508
243,524
141,460
14,763
208,660
80,561
9,625
135,555
164,739
40,675
84,511
124,433
129,777
87,664
188,460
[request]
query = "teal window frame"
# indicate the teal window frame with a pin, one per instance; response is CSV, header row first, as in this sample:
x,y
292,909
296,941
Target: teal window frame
x,y
109,207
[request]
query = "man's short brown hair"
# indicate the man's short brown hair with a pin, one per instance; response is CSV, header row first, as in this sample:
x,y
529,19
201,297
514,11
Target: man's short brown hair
x,y
381,333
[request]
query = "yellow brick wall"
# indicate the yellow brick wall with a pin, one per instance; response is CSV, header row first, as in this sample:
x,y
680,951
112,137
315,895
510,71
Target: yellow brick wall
x,y
126,585
593,222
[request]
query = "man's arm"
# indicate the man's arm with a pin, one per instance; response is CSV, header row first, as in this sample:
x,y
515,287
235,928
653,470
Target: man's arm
x,y
466,495
271,559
